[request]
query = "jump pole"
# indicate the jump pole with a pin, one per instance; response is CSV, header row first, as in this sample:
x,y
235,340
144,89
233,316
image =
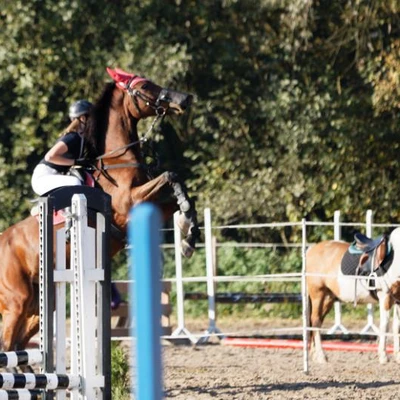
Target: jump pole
x,y
145,259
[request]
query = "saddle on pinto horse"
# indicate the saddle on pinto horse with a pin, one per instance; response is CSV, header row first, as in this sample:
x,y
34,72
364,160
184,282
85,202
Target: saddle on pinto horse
x,y
366,244
368,257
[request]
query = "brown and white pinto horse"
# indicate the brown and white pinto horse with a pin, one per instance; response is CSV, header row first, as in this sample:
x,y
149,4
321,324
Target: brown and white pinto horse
x,y
115,147
326,283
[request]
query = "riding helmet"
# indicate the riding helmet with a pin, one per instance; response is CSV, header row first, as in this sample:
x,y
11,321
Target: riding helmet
x,y
80,107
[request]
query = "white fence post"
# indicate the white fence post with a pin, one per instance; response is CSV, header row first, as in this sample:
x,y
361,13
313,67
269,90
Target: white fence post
x,y
180,294
212,326
304,295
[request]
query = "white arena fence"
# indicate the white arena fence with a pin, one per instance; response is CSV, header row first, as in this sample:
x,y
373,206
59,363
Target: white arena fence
x,y
332,230
211,278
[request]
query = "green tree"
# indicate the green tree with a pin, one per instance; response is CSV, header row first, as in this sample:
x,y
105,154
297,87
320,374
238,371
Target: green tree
x,y
296,102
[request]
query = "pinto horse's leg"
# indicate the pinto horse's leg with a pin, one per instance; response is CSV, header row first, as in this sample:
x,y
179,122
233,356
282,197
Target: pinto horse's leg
x,y
151,191
384,315
321,303
396,326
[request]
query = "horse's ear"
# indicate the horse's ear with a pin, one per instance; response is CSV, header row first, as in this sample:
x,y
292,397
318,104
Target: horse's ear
x,y
121,79
122,72
111,72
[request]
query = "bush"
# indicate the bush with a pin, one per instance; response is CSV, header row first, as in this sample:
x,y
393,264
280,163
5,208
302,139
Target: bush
x,y
246,262
120,373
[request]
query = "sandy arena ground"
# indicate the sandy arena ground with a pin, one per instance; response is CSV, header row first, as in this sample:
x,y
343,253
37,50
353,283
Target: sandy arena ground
x,y
232,373
220,372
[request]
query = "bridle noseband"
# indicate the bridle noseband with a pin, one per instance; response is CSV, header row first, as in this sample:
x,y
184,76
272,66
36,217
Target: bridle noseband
x,y
155,105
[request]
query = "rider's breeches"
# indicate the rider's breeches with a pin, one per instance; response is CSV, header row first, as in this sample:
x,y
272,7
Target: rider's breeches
x,y
45,178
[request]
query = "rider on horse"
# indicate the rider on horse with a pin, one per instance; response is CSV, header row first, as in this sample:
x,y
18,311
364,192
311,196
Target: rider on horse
x,y
53,171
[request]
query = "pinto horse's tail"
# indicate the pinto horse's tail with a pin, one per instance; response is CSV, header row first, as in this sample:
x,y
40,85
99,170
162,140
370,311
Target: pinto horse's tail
x,y
310,333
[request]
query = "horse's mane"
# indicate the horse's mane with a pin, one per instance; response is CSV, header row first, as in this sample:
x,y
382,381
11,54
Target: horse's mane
x,y
96,128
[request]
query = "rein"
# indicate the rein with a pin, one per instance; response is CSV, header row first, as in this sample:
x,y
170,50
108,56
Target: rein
x,y
141,140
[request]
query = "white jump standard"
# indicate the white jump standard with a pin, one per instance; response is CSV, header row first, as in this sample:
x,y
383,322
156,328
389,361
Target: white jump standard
x,y
90,279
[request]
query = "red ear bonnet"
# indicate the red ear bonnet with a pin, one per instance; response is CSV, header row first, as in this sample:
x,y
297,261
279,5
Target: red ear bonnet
x,y
123,79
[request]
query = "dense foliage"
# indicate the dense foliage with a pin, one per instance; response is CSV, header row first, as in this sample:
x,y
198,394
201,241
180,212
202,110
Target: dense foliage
x,y
297,101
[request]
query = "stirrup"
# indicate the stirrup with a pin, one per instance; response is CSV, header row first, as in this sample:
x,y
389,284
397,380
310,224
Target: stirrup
x,y
371,281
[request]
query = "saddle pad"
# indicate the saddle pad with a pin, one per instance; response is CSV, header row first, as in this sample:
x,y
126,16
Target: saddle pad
x,y
349,263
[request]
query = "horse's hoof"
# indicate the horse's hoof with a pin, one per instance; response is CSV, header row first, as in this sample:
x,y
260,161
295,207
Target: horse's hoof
x,y
383,359
184,206
186,249
319,358
322,360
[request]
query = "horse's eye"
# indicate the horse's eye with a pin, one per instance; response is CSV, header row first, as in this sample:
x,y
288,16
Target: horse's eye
x,y
145,86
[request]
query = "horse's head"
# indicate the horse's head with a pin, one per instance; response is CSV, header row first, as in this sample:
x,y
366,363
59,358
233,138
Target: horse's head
x,y
149,98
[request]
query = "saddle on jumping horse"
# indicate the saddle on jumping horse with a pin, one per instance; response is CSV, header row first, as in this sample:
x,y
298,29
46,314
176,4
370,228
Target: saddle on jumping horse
x,y
368,257
65,215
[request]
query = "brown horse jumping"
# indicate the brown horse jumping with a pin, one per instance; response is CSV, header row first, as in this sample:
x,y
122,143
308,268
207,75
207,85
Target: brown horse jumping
x,y
121,171
326,283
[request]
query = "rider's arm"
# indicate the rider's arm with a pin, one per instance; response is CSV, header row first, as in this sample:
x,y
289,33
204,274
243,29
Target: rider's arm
x,y
56,155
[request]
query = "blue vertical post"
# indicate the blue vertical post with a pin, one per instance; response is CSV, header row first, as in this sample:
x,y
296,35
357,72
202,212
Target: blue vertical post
x,y
145,292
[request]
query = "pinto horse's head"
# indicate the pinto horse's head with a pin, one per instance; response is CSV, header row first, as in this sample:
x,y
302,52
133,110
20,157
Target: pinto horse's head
x,y
148,97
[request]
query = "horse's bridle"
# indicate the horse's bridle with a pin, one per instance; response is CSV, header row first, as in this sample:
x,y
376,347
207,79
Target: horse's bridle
x,y
155,105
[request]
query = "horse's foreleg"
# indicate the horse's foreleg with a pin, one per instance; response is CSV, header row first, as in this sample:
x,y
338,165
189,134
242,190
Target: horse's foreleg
x,y
396,339
187,220
32,320
321,304
13,324
32,327
384,315
317,353
150,191
17,296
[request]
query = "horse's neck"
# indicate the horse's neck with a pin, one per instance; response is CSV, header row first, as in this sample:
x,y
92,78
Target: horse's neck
x,y
122,137
123,154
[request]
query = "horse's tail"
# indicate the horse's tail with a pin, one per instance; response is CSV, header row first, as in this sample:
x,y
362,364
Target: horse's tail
x,y
310,333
